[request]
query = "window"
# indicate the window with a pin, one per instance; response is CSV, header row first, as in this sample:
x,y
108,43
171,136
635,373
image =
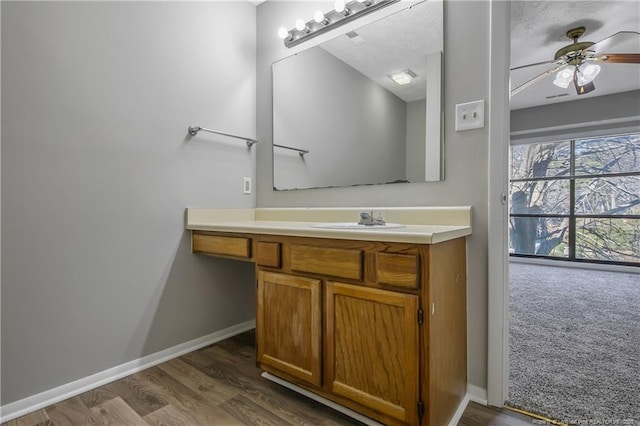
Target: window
x,y
577,200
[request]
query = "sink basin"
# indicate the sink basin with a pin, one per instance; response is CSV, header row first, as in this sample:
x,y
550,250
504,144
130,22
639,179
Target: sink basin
x,y
354,225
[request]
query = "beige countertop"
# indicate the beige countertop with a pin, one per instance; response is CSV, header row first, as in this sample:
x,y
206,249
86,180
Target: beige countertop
x,y
423,225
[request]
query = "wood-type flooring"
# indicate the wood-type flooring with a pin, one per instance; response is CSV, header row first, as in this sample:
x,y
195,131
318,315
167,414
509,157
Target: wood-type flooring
x,y
216,385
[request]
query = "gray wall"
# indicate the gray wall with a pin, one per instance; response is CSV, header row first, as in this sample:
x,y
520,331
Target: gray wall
x,y
320,106
466,153
97,170
593,116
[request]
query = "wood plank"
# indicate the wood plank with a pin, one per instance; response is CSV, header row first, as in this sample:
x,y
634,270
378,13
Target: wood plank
x,y
39,418
117,412
206,411
268,254
445,335
398,270
478,415
249,413
248,383
169,415
246,379
198,381
132,392
371,348
334,262
221,245
290,320
70,412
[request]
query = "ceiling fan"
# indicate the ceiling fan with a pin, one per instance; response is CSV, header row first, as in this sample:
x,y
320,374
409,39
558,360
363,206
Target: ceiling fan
x,y
577,62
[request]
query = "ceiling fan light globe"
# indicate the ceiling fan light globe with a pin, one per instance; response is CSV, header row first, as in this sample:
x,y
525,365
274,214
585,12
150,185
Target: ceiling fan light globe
x,y
564,77
588,73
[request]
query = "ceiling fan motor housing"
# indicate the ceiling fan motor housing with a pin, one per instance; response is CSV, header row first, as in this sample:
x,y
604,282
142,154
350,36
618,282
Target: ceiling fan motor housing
x,y
574,53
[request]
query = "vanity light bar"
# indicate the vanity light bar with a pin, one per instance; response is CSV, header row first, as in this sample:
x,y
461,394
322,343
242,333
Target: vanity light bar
x,y
340,15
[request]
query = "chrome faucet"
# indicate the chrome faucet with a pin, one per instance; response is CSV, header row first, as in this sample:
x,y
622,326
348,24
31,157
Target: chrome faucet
x,y
371,218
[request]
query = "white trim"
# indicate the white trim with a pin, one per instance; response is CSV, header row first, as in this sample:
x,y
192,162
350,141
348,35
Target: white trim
x,y
562,128
44,399
477,394
576,265
460,411
342,409
498,261
572,132
474,394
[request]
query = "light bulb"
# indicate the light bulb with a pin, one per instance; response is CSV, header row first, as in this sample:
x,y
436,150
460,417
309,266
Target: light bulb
x,y
587,73
301,25
564,77
365,2
319,17
283,33
340,7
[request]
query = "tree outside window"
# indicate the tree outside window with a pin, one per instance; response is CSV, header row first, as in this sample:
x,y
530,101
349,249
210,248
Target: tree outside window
x,y
577,199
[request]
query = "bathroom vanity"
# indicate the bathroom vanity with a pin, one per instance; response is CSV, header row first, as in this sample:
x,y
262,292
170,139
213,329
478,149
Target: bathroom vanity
x,y
372,318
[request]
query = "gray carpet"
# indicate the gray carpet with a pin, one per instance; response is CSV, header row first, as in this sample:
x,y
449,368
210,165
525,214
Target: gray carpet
x,y
574,344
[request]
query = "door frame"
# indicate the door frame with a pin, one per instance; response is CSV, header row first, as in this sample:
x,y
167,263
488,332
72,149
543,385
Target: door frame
x,y
498,203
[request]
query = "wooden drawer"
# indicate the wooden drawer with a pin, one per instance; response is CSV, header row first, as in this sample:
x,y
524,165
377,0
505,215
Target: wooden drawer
x,y
335,262
399,270
221,245
268,254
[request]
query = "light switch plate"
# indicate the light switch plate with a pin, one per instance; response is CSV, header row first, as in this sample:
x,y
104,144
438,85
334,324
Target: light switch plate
x,y
470,115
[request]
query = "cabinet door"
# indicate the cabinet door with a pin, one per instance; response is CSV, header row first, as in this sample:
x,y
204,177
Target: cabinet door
x,y
372,350
288,325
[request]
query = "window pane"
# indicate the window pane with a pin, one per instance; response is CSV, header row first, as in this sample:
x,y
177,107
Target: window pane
x,y
615,240
616,195
544,236
540,160
540,197
615,154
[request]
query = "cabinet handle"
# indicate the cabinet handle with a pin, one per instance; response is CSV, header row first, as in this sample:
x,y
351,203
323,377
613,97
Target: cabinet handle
x,y
433,308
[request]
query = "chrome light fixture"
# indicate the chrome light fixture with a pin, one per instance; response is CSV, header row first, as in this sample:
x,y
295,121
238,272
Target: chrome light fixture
x,y
341,14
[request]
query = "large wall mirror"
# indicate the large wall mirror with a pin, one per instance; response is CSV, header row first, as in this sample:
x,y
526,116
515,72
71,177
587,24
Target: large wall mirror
x,y
338,102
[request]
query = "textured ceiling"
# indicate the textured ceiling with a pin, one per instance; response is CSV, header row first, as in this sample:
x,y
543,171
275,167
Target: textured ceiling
x,y
538,30
394,43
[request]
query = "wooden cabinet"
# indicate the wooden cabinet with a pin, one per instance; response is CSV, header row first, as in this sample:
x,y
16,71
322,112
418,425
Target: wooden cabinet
x,y
288,324
377,327
371,352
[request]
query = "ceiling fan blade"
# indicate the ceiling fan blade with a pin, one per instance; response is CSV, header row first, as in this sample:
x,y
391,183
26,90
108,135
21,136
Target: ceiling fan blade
x,y
620,58
582,90
533,65
537,78
613,39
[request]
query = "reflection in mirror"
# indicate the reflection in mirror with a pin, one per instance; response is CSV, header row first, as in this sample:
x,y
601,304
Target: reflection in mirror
x,y
339,102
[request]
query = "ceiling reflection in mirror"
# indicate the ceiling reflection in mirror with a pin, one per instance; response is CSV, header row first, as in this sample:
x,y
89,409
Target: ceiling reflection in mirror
x,y
337,101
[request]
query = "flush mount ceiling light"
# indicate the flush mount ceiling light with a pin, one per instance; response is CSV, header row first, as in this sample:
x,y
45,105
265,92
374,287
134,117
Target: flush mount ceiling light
x,y
403,77
342,13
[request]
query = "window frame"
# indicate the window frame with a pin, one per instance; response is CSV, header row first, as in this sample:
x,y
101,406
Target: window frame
x,y
572,216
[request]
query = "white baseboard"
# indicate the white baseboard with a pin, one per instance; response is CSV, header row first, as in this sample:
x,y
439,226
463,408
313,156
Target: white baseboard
x,y
44,399
460,411
474,394
324,401
477,394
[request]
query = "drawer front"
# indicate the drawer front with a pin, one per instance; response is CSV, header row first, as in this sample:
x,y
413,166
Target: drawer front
x,y
268,254
226,246
399,270
343,263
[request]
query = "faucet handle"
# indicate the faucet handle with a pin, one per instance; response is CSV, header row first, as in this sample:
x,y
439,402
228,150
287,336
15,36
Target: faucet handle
x,y
371,218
